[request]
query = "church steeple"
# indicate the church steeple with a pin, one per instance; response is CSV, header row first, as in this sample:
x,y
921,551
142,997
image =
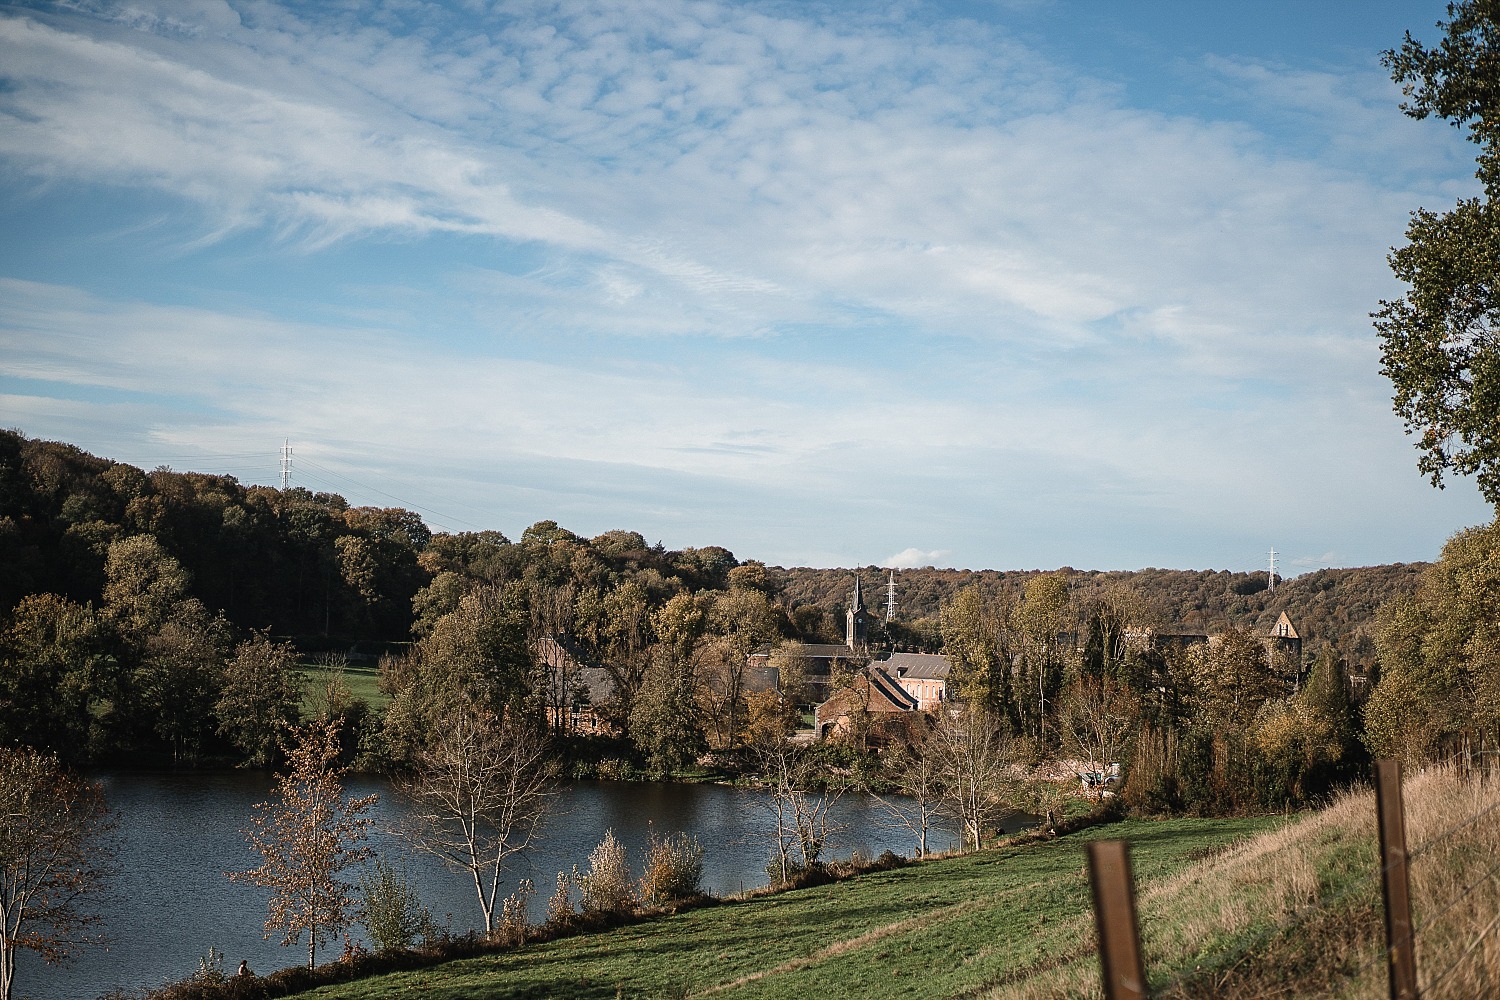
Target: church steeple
x,y
858,618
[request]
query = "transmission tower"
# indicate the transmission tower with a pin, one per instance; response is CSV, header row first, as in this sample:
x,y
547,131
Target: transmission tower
x,y
1271,584
286,464
890,597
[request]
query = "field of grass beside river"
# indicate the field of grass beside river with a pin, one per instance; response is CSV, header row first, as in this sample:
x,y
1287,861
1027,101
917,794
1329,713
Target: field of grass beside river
x,y
956,926
1230,908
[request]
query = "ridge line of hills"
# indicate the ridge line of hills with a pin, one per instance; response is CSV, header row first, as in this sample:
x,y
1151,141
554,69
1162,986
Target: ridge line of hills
x,y
286,561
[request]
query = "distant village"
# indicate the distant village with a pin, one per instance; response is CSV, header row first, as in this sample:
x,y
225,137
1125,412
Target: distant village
x,y
858,686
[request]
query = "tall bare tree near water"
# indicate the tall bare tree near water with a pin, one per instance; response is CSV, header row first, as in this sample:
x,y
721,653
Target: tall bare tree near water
x,y
975,754
480,793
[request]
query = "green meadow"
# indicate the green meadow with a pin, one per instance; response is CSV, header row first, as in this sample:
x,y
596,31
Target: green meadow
x,y
957,926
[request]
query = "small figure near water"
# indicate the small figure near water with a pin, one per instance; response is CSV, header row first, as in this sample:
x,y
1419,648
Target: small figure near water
x,y
244,969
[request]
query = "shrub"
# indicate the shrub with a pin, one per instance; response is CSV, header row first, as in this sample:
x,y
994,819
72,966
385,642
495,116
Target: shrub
x,y
560,906
608,886
616,769
514,925
211,968
798,876
392,914
674,868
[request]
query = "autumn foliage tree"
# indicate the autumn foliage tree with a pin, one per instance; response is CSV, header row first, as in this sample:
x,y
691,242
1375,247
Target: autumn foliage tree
x,y
308,834
52,854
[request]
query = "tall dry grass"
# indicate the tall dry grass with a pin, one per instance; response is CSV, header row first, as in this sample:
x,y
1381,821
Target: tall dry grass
x,y
1297,912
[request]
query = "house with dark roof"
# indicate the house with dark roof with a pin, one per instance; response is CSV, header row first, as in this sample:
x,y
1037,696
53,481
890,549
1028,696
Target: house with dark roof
x,y
924,676
1283,644
575,690
820,660
873,703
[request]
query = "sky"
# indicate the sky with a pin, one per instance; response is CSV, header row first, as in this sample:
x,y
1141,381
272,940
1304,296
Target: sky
x,y
990,285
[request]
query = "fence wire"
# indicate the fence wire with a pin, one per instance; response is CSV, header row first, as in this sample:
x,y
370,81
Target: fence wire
x,y
1229,957
1431,842
1478,940
1429,920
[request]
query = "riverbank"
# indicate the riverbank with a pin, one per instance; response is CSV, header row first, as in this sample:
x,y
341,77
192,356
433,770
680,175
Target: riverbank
x,y
179,832
942,927
1229,909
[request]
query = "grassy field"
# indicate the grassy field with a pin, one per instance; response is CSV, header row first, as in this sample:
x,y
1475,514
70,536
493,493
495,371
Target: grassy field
x,y
955,927
1296,912
1229,909
362,681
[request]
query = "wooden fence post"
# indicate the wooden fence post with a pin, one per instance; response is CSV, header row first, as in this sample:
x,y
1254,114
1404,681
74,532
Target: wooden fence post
x,y
1400,952
1115,920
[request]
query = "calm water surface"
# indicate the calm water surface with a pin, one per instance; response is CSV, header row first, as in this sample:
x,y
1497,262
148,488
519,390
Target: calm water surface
x,y
179,833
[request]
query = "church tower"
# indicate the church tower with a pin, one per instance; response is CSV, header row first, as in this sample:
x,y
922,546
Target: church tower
x,y
858,619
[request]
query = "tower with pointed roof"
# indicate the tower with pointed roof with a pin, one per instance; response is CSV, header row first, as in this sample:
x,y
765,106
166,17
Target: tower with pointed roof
x,y
857,621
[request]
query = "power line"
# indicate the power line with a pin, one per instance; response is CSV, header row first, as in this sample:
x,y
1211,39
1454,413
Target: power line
x,y
390,496
287,476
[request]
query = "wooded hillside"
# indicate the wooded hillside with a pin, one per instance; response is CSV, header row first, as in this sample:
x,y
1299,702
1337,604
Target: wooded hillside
x,y
1335,605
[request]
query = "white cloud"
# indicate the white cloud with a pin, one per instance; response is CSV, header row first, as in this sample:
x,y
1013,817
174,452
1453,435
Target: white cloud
x,y
914,558
944,281
725,161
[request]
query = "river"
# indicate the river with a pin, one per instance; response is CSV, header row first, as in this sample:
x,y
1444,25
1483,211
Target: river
x,y
177,834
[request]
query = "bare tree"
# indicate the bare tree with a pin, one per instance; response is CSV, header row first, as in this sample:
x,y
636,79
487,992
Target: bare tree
x,y
480,793
1098,721
52,828
912,773
975,758
308,834
803,823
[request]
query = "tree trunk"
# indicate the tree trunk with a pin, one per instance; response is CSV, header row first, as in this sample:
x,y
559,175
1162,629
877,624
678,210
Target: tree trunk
x,y
486,904
7,968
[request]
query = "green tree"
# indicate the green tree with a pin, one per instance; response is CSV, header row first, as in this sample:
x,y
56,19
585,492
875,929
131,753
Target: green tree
x,y
743,619
56,662
180,678
261,699
1440,657
392,912
664,722
143,585
1232,677
477,654
1438,340
976,637
1041,623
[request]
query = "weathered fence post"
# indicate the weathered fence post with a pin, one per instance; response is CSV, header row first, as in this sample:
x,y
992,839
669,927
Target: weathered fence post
x,y
1115,919
1400,953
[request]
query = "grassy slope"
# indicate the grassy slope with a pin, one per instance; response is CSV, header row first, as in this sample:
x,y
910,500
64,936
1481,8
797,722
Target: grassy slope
x,y
363,681
959,926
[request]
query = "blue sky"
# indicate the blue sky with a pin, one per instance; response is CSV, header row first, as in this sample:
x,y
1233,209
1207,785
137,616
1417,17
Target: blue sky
x,y
1003,285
